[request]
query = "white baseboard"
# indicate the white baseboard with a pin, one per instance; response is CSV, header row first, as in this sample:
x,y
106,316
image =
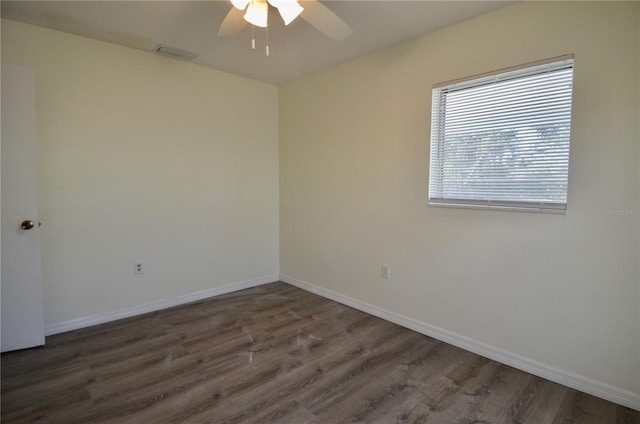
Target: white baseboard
x,y
583,384
74,324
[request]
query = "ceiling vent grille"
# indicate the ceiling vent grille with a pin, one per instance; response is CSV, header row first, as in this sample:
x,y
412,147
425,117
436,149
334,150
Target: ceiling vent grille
x,y
174,52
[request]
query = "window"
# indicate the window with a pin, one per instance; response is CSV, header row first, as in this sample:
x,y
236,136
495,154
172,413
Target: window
x,y
501,140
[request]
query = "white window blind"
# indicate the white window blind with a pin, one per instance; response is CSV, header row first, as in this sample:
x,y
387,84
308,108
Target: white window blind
x,y
501,140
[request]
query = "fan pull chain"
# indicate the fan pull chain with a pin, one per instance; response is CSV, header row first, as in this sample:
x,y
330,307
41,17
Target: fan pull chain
x,y
267,47
253,37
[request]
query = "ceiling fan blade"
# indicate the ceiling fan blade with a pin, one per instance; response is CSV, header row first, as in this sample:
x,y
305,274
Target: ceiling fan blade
x,y
324,20
232,24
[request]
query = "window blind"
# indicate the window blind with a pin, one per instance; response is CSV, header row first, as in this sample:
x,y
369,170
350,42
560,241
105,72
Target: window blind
x,y
501,140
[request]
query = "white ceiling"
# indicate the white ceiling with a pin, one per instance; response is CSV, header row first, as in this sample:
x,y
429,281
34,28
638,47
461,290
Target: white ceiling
x,y
296,50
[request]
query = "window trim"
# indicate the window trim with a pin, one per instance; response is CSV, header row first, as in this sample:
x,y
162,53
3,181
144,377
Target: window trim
x,y
504,74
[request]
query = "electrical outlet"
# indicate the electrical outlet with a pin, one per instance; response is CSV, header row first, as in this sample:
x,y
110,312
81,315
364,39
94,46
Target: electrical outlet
x,y
386,271
138,268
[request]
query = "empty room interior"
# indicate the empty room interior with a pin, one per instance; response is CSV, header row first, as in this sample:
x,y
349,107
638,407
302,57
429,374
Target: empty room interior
x,y
257,235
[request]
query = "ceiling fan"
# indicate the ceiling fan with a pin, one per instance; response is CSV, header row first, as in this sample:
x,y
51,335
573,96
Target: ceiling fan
x,y
255,12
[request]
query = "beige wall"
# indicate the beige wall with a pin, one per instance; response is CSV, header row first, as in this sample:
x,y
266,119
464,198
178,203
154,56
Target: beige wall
x,y
560,290
144,158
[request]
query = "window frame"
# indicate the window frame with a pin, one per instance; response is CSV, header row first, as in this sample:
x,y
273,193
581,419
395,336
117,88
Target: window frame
x,y
437,175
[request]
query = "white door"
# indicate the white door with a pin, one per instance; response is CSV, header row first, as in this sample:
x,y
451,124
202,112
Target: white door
x,y
22,315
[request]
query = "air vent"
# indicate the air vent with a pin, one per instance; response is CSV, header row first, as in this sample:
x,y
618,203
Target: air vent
x,y
174,53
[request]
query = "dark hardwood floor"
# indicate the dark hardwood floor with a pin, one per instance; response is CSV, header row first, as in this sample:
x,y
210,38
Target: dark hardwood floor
x,y
275,353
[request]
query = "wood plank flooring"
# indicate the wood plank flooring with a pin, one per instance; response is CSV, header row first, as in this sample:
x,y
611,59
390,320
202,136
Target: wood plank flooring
x,y
275,354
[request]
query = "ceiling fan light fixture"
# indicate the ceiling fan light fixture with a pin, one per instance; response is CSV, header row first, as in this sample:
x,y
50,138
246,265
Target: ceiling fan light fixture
x,y
240,4
289,10
257,13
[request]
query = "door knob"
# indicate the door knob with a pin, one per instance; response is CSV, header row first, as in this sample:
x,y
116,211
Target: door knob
x,y
26,225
